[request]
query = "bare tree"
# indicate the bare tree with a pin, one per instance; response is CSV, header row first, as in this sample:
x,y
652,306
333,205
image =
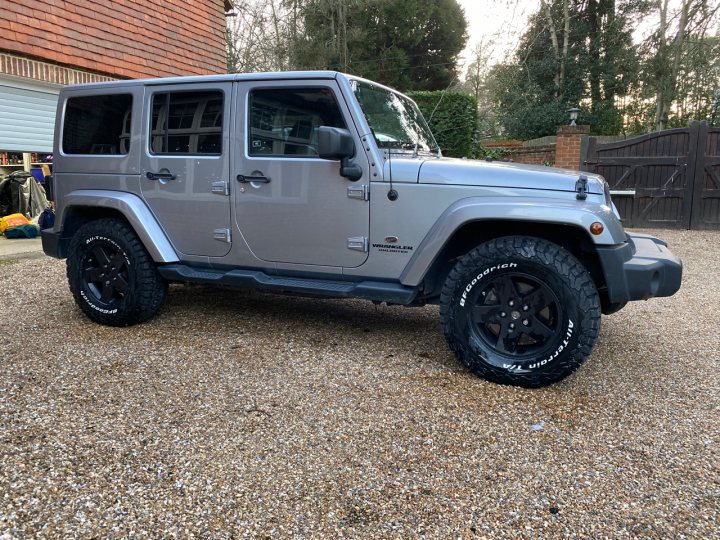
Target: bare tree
x,y
560,54
476,83
691,20
259,35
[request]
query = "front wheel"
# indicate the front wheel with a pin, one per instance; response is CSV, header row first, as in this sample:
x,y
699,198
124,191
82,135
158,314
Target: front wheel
x,y
111,275
521,311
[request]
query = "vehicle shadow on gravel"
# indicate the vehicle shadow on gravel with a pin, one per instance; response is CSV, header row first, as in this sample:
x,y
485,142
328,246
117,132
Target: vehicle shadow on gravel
x,y
265,316
344,313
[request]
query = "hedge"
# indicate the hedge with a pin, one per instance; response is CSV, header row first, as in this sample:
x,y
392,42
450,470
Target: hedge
x,y
453,120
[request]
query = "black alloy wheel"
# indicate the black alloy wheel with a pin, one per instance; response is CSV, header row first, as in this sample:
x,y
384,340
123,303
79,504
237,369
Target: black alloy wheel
x,y
517,315
105,274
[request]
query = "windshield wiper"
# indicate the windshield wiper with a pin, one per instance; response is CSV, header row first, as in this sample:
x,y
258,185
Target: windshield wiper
x,y
408,145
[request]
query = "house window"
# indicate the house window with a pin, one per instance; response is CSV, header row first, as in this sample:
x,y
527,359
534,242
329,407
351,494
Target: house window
x,y
283,122
187,123
97,125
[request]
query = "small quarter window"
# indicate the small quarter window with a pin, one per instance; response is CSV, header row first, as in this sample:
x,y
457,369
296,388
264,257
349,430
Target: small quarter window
x,y
283,122
97,125
187,123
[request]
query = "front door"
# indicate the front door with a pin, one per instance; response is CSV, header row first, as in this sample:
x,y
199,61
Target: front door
x,y
292,206
185,167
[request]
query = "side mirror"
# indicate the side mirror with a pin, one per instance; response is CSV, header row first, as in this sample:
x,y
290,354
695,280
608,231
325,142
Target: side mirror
x,y
336,143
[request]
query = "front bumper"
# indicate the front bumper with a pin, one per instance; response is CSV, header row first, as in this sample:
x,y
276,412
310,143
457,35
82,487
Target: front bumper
x,y
641,268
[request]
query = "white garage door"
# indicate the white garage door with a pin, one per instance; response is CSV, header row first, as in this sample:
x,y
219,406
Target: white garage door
x,y
27,116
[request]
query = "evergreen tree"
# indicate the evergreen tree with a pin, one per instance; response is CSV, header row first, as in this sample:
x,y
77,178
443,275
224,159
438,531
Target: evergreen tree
x,y
407,44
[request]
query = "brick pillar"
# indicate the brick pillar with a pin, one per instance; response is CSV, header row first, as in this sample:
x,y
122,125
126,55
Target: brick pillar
x,y
567,148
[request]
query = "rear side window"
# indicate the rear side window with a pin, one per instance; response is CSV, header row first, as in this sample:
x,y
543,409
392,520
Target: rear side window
x,y
97,125
187,123
283,121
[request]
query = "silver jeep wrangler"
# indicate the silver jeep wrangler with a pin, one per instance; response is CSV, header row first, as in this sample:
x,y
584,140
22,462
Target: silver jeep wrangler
x,y
322,183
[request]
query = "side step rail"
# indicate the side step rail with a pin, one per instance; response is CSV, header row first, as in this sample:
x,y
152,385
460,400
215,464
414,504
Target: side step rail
x,y
382,291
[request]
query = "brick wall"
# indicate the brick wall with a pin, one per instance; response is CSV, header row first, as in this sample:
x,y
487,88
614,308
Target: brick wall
x,y
535,155
19,66
531,155
567,147
118,38
565,153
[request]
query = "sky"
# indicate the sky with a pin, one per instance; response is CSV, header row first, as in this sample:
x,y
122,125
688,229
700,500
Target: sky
x,y
497,24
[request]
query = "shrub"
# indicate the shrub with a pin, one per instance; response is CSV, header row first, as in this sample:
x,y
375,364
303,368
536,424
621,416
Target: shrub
x,y
452,118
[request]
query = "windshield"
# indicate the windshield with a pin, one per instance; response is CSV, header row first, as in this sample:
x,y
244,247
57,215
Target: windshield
x,y
395,121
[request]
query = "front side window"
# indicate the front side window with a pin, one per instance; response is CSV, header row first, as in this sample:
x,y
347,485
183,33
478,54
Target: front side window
x,y
187,123
283,122
97,125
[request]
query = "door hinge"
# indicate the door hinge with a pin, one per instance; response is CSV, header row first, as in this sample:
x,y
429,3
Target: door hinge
x,y
359,192
358,243
223,235
221,187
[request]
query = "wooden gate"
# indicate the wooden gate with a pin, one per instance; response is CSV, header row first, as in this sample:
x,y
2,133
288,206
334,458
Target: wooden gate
x,y
666,179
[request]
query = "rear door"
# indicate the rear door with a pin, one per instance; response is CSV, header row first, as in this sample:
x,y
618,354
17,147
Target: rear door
x,y
185,165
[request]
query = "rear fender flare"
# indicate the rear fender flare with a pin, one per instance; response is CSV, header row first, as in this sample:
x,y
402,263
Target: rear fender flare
x,y
134,209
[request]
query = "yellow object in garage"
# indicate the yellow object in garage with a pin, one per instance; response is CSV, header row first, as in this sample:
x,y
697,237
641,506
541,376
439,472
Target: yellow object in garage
x,y
12,220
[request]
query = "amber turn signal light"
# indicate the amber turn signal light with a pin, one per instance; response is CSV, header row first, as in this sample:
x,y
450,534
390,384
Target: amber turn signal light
x,y
596,228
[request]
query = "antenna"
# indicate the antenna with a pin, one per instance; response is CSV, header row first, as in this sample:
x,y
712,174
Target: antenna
x,y
439,152
441,98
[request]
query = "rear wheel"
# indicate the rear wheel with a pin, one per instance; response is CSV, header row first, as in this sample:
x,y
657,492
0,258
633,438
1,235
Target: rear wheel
x,y
112,277
521,311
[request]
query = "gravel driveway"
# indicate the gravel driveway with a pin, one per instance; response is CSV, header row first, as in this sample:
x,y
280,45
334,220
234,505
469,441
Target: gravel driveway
x,y
237,414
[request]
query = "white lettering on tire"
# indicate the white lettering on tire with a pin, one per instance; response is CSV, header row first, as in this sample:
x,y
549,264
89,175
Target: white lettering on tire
x,y
482,274
111,241
96,308
550,358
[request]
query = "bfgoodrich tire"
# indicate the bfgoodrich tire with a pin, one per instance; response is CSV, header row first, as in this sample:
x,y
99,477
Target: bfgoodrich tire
x,y
521,311
112,277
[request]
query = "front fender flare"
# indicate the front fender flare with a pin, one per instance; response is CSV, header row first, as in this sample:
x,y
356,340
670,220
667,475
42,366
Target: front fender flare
x,y
134,209
540,210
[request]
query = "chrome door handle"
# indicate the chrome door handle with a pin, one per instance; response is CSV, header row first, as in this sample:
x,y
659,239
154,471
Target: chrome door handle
x,y
247,179
160,176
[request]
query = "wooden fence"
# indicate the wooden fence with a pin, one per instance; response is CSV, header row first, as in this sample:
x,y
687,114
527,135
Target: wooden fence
x,y
666,179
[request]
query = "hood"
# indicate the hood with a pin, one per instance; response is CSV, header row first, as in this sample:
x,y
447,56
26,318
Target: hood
x,y
470,172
